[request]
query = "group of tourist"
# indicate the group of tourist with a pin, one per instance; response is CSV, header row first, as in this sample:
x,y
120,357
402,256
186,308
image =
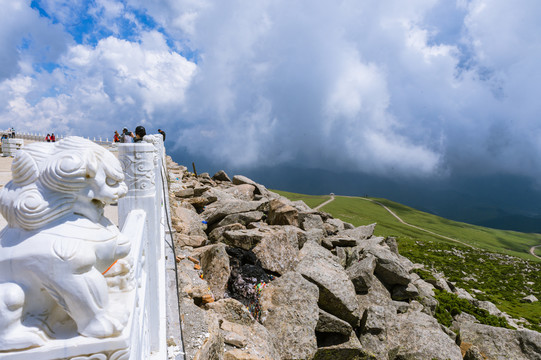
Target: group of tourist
x,y
128,136
9,134
50,138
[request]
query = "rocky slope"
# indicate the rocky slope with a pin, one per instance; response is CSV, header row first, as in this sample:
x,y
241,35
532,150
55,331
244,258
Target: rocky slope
x,y
261,277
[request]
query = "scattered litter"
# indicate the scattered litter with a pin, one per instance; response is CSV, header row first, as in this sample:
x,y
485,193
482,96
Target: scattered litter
x,y
255,306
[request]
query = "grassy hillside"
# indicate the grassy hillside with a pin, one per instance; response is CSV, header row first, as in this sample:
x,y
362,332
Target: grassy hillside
x,y
498,268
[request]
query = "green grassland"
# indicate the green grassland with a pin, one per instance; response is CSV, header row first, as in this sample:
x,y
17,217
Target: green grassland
x,y
498,268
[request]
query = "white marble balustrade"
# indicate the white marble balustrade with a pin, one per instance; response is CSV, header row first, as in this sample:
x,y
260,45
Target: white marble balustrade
x,y
136,283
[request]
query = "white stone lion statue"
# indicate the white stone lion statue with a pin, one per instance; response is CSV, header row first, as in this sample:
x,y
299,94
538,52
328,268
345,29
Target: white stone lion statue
x,y
57,243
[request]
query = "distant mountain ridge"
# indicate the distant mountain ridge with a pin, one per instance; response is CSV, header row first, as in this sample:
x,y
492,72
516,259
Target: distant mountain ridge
x,y
501,201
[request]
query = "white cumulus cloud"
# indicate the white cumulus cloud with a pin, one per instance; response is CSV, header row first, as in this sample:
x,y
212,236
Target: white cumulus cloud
x,y
418,87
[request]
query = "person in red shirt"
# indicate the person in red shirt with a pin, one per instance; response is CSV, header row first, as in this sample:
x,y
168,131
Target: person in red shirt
x,y
48,138
116,138
53,138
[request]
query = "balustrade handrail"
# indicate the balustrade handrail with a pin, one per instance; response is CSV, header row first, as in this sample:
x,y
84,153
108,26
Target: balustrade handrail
x,y
42,138
134,228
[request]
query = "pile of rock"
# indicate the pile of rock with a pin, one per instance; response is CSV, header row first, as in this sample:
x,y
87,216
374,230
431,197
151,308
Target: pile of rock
x,y
261,277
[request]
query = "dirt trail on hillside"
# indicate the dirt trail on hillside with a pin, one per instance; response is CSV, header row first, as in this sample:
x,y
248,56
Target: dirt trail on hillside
x,y
402,221
324,203
532,251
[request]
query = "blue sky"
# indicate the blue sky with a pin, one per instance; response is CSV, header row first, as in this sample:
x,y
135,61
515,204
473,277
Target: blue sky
x,y
423,89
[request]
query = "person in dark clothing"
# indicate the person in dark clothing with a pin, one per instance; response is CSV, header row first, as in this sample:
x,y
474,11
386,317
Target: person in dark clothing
x,y
163,134
140,132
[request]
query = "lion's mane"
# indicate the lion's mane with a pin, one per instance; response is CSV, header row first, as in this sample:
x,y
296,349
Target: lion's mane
x,y
47,179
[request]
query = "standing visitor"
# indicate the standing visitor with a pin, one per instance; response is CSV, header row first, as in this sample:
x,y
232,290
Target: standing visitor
x,y
116,138
163,134
127,136
53,138
48,138
140,132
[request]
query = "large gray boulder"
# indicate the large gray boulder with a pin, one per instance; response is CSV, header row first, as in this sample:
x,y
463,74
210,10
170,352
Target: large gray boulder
x,y
340,240
242,218
289,311
196,329
337,224
189,240
315,235
359,252
351,349
404,292
360,232
189,222
221,175
361,273
300,205
308,221
330,324
259,189
217,234
411,335
245,239
244,337
500,343
242,192
336,291
281,213
221,209
214,194
377,294
278,249
389,267
216,269
213,343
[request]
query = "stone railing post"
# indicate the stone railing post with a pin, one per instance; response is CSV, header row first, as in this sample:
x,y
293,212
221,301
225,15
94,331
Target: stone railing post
x,y
140,163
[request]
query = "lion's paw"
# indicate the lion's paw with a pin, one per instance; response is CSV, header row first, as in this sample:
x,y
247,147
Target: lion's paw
x,y
102,326
14,335
21,337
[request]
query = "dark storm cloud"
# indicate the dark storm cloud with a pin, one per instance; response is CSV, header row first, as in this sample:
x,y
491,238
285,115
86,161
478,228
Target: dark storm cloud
x,y
423,88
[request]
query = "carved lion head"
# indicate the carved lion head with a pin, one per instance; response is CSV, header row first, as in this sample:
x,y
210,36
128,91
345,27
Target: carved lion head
x,y
52,180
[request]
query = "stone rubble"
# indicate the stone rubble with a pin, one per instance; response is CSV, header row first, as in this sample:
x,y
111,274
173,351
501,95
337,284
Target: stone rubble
x,y
278,280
